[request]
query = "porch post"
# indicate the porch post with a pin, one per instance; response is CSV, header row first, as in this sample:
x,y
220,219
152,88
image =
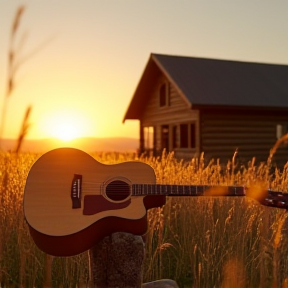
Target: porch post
x,y
141,138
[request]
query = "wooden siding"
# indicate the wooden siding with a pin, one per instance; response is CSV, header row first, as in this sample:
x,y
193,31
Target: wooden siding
x,y
220,132
177,112
252,135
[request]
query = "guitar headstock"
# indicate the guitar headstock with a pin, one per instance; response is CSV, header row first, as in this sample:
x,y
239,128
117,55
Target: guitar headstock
x,y
276,199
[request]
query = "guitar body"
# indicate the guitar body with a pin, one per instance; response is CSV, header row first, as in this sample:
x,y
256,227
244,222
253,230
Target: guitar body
x,y
71,201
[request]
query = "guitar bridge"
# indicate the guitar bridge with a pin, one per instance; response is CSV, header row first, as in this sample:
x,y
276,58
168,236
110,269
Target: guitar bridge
x,y
76,191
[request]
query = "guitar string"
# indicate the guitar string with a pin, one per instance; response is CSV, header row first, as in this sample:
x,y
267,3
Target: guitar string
x,y
123,189
159,184
90,187
119,187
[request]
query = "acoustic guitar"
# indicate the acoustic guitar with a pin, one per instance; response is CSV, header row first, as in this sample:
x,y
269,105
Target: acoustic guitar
x,y
71,201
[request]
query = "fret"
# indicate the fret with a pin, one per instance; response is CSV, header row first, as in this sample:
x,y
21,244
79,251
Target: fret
x,y
186,190
183,190
236,191
137,189
174,189
168,187
177,190
158,189
145,190
193,190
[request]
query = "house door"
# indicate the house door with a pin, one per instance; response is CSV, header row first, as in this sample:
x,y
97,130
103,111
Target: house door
x,y
165,137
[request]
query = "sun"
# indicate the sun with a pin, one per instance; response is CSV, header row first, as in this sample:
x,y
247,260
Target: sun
x,y
66,131
67,125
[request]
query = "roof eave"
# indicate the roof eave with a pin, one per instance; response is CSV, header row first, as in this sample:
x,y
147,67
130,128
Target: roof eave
x,y
133,105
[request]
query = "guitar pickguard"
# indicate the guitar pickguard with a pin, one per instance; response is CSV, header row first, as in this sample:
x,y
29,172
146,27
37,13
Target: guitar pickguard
x,y
97,203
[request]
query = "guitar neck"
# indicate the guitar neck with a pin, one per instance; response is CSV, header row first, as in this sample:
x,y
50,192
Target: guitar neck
x,y
272,198
184,190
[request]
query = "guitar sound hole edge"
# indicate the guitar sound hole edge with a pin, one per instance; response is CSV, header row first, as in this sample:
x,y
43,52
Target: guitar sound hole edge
x,y
118,190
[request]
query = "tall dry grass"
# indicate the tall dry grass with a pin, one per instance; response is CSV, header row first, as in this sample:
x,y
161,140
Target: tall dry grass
x,y
15,61
197,241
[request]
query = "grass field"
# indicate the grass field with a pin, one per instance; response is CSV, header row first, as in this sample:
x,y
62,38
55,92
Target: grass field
x,y
197,241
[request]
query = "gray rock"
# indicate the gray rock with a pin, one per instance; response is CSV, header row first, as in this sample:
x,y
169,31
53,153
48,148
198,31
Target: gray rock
x,y
117,262
164,283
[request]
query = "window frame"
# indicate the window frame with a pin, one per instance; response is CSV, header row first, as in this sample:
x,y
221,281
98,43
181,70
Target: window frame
x,y
164,99
190,140
149,137
281,130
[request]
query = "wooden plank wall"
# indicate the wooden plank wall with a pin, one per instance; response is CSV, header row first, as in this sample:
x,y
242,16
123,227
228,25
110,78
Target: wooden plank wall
x,y
178,111
220,132
253,135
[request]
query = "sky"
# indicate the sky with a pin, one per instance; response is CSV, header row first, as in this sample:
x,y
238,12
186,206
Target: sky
x,y
88,55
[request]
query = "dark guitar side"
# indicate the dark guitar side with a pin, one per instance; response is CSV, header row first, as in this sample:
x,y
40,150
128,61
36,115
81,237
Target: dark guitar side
x,y
79,242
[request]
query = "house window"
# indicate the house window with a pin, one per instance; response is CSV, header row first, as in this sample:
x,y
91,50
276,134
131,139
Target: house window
x,y
164,95
165,137
187,135
192,135
149,137
281,130
175,136
184,136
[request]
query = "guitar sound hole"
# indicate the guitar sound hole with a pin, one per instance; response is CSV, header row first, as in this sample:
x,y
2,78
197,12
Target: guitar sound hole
x,y
117,190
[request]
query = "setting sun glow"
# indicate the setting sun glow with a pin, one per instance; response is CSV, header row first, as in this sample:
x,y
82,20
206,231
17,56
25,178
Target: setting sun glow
x,y
66,131
67,125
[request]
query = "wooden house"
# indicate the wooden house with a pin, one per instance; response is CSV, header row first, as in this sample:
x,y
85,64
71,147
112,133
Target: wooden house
x,y
192,105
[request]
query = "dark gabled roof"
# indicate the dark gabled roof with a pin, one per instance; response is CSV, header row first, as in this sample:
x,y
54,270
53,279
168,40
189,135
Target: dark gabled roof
x,y
211,82
231,83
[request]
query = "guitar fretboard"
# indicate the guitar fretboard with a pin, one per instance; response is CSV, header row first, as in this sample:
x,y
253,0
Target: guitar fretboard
x,y
272,198
185,190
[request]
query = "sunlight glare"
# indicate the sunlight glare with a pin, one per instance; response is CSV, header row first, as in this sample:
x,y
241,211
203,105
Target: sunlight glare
x,y
66,131
67,125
